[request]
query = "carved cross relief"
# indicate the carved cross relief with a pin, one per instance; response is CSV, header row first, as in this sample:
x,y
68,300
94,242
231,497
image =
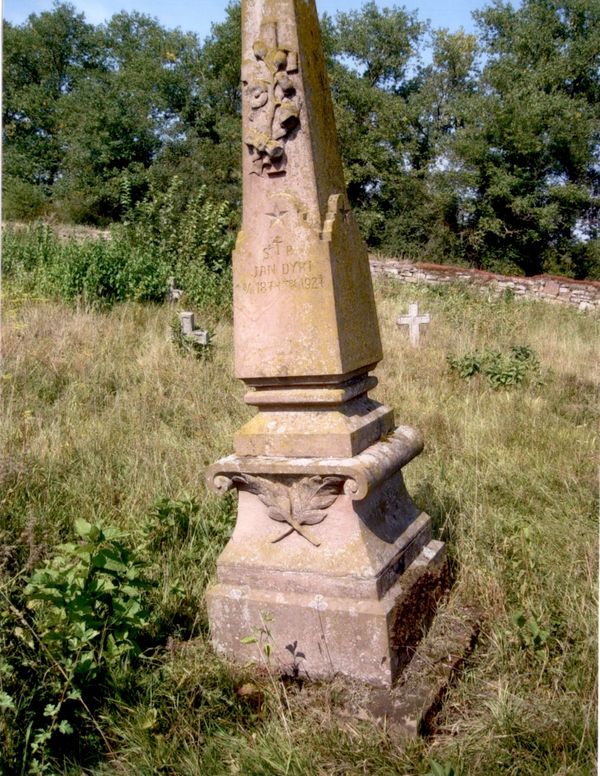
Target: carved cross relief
x,y
274,104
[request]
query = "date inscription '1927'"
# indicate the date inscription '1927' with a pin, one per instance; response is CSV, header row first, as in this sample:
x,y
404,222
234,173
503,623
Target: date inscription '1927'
x,y
307,283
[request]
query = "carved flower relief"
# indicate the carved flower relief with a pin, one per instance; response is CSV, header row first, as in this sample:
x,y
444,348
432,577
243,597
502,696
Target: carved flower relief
x,y
274,106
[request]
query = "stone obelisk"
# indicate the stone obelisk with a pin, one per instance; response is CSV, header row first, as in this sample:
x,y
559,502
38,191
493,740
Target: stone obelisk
x,y
330,560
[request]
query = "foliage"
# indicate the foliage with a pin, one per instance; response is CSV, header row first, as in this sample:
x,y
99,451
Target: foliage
x,y
531,635
439,769
88,602
95,271
100,420
167,237
44,61
500,369
533,160
71,646
487,154
188,234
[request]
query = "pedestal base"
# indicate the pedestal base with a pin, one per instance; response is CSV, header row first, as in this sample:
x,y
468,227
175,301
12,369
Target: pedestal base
x,y
320,635
331,567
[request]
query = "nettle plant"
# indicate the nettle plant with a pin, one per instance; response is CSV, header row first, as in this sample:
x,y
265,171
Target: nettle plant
x,y
88,607
89,601
501,370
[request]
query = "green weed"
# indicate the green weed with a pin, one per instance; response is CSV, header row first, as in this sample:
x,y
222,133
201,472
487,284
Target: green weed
x,y
167,235
500,369
69,636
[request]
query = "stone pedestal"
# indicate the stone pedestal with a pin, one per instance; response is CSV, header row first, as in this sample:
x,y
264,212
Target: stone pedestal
x,y
352,588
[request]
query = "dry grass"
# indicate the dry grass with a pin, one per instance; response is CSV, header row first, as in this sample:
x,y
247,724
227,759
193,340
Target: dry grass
x,y
102,417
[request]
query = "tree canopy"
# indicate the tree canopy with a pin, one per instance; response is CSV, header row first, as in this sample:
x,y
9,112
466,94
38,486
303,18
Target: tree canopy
x,y
485,152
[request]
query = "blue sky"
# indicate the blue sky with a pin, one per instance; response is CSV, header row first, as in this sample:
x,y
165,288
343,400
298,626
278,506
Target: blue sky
x,y
198,15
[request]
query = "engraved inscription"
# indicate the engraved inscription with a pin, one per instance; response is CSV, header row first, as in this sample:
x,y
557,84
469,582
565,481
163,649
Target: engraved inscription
x,y
273,248
276,216
291,274
314,282
265,269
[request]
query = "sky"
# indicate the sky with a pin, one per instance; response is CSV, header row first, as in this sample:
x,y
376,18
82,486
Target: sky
x,y
198,15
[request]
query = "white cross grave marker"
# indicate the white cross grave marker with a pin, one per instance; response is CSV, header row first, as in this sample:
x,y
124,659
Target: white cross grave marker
x,y
413,320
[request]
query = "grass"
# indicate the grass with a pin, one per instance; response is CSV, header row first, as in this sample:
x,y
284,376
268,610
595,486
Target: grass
x,y
104,418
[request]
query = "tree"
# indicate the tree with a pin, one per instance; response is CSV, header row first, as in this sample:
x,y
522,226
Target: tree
x,y
206,146
486,154
371,54
44,60
122,115
530,146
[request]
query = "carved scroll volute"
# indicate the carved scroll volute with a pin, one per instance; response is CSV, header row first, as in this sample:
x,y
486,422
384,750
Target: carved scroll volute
x,y
304,502
273,106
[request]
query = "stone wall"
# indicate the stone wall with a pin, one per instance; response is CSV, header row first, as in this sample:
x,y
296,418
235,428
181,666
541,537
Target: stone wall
x,y
583,294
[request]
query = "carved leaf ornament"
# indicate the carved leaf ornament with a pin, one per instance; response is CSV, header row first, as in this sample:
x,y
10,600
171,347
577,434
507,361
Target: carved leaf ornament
x,y
305,502
274,106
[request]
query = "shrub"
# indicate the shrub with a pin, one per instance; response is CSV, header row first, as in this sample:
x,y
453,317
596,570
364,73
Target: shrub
x,y
67,640
22,201
164,236
190,235
500,369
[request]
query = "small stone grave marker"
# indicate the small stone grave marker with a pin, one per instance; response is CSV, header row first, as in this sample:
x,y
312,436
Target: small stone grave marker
x,y
188,329
413,320
174,293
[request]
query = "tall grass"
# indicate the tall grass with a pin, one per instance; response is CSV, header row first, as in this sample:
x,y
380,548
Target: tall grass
x,y
104,418
171,237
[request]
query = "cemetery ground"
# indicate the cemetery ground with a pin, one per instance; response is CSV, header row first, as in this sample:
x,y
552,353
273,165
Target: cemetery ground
x,y
106,422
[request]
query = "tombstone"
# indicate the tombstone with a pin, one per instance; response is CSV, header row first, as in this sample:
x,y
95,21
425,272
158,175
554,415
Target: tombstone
x,y
174,293
330,560
414,321
188,329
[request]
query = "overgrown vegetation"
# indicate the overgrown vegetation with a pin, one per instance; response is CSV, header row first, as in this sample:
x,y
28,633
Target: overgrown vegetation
x,y
500,369
485,151
167,239
72,646
109,539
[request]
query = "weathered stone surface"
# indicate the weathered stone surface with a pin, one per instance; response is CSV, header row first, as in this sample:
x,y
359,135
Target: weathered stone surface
x,y
303,298
304,311
414,321
358,546
344,430
410,709
331,563
361,473
544,287
320,634
335,553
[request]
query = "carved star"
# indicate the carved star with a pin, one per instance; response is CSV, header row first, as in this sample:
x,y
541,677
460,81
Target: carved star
x,y
277,215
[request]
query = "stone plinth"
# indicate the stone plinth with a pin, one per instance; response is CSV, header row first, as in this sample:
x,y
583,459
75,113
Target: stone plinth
x,y
353,585
314,420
